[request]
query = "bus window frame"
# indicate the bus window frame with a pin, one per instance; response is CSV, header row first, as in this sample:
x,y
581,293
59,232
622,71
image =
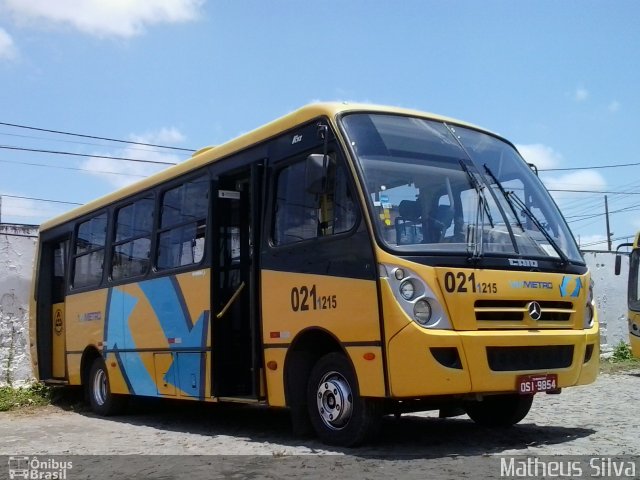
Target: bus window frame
x,y
73,256
278,165
115,243
161,191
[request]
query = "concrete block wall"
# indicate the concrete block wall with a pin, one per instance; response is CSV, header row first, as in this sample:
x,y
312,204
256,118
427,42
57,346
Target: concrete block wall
x,y
610,294
17,249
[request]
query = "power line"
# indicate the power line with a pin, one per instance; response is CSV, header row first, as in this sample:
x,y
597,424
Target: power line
x,y
595,215
75,142
86,155
592,191
623,237
59,132
72,168
588,168
39,199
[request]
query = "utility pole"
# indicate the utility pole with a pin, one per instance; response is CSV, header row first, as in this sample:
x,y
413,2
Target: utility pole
x,y
606,213
0,208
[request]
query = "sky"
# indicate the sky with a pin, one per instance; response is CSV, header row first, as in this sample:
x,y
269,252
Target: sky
x,y
558,79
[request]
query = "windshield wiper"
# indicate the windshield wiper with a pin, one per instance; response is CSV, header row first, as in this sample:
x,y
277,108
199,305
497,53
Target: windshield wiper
x,y
505,195
478,245
564,260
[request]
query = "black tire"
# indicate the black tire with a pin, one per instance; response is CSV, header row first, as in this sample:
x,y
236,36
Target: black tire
x,y
499,410
339,415
102,401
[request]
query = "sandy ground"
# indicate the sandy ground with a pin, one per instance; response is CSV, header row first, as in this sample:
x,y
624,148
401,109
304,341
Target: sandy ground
x,y
250,442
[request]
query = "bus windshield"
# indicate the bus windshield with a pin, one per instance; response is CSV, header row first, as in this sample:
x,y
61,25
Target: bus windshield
x,y
441,188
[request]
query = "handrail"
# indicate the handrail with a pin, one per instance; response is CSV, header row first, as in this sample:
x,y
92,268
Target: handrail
x,y
230,302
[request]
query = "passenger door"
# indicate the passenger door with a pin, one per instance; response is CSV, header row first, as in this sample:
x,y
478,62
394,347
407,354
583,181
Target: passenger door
x,y
235,303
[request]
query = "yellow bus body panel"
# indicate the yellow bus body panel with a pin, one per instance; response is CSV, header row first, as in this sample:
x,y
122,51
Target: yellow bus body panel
x,y
634,336
58,347
154,335
345,307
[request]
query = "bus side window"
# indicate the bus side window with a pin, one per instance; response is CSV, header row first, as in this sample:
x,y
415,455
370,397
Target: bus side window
x,y
88,260
302,215
132,244
183,217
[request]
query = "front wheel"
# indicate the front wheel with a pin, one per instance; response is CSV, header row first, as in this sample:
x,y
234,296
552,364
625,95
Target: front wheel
x,y
499,410
339,415
102,401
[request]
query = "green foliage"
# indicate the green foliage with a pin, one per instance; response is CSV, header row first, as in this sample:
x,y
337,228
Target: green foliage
x,y
622,352
35,394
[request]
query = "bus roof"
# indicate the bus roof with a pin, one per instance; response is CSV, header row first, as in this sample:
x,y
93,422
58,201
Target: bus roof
x,y
208,155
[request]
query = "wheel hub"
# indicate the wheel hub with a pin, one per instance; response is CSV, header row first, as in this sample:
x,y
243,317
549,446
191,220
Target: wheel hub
x,y
100,387
334,400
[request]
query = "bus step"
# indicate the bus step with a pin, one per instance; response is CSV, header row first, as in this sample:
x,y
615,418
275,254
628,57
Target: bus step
x,y
55,381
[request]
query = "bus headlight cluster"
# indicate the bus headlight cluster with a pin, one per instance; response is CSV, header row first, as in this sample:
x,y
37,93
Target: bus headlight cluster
x,y
415,296
589,308
407,290
422,312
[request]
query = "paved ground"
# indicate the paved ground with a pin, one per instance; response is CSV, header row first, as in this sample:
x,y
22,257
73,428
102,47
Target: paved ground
x,y
595,420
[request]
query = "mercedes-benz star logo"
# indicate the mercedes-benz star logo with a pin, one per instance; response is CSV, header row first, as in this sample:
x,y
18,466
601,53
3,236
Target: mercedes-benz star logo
x,y
535,311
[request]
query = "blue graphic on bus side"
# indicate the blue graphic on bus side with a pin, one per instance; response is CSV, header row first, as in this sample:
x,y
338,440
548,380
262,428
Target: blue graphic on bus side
x,y
186,339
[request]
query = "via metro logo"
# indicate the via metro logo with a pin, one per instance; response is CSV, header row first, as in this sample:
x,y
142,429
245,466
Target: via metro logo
x,y
565,286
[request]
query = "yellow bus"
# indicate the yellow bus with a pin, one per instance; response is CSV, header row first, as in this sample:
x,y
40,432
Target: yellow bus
x,y
344,261
633,292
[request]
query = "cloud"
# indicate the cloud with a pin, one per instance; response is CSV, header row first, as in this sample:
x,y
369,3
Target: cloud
x,y
114,18
126,173
582,180
22,210
614,106
589,180
581,94
540,155
8,50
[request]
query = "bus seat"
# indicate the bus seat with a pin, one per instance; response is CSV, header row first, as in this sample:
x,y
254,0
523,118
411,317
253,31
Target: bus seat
x,y
409,210
407,222
442,220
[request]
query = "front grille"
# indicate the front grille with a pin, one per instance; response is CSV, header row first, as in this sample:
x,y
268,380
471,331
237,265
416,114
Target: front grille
x,y
509,359
517,311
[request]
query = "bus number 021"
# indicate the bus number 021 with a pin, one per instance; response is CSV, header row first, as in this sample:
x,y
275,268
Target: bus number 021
x,y
304,299
462,283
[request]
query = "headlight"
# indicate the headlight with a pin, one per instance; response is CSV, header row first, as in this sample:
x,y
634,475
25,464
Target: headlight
x,y
415,297
407,290
588,308
422,312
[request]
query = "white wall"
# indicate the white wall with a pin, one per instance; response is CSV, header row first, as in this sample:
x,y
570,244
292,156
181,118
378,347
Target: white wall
x,y
17,248
610,292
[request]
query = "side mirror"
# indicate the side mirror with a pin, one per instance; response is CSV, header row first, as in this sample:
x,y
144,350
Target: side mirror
x,y
316,173
618,264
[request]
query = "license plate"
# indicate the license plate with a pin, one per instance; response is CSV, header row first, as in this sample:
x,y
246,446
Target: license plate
x,y
528,384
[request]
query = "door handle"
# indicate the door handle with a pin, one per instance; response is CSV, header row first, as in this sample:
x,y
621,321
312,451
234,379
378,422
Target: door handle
x,y
230,302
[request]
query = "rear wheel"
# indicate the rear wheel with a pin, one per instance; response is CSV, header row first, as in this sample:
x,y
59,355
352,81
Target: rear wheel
x,y
102,401
339,415
499,410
